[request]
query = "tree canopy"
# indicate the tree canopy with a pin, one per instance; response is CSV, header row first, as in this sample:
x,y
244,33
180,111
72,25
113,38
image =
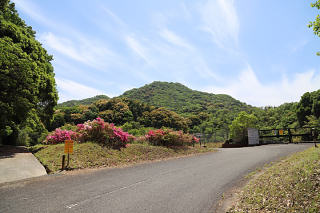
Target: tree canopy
x,y
120,111
309,108
239,126
315,25
27,85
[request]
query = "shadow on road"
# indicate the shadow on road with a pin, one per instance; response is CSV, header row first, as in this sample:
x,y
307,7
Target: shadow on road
x,y
10,151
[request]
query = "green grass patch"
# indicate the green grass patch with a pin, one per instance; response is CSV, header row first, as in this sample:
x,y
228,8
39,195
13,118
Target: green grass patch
x,y
292,185
93,155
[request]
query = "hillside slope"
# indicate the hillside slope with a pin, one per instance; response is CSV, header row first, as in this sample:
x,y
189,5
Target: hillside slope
x,y
205,112
86,101
183,100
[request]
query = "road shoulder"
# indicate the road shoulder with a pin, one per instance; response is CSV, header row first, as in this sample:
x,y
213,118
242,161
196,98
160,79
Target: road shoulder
x,y
17,163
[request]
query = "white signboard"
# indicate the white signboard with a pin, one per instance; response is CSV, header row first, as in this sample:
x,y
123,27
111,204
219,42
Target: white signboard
x,y
253,136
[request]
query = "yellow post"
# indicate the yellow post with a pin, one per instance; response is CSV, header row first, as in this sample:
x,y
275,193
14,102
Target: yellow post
x,y
68,149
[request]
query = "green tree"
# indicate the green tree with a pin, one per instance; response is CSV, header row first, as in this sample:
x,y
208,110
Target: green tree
x,y
239,126
27,84
316,23
308,105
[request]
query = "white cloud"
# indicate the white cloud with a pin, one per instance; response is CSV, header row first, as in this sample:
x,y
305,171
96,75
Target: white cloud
x,y
32,10
186,12
298,46
115,18
249,89
220,19
73,44
71,90
80,49
170,56
202,68
175,39
36,13
138,48
187,60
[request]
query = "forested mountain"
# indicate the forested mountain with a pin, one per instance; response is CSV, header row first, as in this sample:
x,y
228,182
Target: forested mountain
x,y
86,101
169,104
183,100
203,112
207,112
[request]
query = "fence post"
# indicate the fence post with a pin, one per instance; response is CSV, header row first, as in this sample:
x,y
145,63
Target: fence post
x,y
315,135
290,136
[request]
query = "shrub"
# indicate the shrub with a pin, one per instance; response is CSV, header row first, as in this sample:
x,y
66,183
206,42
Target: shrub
x,y
59,136
96,130
141,140
195,139
168,137
23,137
69,127
103,133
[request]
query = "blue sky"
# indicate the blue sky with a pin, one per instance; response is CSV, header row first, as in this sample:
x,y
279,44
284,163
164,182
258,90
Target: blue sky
x,y
260,52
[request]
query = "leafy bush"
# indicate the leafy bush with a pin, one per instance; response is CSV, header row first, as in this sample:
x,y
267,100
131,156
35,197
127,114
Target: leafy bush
x,y
96,130
168,137
31,131
59,136
240,125
69,127
103,133
23,137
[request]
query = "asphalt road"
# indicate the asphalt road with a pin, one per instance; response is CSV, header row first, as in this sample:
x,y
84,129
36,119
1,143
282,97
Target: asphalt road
x,y
192,184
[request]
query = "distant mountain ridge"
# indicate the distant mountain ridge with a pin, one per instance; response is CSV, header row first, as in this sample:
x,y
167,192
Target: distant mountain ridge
x,y
200,111
176,97
182,99
86,101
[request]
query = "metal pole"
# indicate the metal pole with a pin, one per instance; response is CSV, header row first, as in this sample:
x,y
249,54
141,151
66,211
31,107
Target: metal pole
x,y
68,160
63,161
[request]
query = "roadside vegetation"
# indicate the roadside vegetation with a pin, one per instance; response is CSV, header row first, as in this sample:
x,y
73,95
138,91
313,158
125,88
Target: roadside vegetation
x,y
292,185
93,155
101,144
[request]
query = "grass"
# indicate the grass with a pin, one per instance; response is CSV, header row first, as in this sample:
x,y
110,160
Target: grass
x,y
292,185
92,155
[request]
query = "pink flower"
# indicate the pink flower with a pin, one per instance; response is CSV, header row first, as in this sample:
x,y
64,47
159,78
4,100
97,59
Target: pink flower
x,y
195,139
59,136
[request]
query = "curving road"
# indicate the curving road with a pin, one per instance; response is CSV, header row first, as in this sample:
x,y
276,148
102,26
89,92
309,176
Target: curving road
x,y
192,184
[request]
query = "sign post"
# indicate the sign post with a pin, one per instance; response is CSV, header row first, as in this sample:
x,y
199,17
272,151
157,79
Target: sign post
x,y
68,149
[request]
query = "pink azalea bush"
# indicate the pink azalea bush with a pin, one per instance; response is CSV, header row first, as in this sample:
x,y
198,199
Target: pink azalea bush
x,y
96,130
195,139
168,137
59,136
103,133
